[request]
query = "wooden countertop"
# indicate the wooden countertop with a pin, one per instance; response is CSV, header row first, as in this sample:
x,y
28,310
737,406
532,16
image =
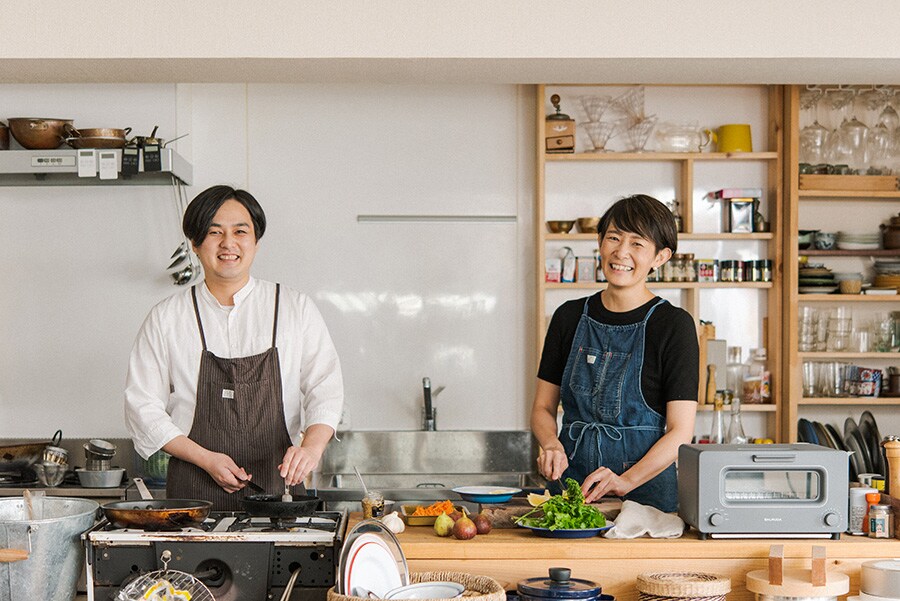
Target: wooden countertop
x,y
511,555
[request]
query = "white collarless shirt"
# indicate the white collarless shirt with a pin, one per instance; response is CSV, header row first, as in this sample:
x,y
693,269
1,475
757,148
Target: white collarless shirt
x,y
161,386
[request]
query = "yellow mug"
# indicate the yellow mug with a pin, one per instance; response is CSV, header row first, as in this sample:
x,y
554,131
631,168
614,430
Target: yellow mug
x,y
734,137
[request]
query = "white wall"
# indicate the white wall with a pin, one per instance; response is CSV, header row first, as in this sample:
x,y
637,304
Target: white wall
x,y
403,300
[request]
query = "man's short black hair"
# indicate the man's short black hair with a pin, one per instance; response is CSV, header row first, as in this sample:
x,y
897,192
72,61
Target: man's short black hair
x,y
200,213
645,216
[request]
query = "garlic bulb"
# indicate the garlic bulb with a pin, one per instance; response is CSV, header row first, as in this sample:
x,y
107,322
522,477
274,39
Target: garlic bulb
x,y
394,522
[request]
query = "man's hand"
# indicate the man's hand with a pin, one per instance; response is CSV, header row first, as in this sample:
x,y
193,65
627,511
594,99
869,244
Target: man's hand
x,y
297,463
224,471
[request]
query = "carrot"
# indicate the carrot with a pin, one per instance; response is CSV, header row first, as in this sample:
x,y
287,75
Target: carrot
x,y
436,508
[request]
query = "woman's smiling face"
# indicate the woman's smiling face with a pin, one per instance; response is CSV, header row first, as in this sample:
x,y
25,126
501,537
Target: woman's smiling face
x,y
627,258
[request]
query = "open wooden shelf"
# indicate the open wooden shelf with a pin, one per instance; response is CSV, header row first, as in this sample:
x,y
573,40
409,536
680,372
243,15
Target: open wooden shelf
x,y
692,236
745,407
862,400
842,355
848,298
837,252
664,156
659,285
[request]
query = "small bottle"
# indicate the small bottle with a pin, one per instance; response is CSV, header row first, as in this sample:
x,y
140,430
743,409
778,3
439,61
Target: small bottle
x,y
757,378
717,433
736,427
872,499
734,370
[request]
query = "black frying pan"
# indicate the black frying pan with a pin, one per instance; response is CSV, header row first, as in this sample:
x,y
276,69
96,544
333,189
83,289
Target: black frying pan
x,y
271,506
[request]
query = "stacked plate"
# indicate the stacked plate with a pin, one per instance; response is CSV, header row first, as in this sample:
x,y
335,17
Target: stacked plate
x,y
887,272
815,278
847,241
371,561
862,441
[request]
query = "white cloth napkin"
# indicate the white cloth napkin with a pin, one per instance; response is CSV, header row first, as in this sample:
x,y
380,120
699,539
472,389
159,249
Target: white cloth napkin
x,y
638,520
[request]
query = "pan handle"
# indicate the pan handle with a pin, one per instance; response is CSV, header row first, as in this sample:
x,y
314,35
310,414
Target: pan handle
x,y
142,489
57,438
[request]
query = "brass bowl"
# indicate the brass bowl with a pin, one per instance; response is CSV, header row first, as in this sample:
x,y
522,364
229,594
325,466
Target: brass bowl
x,y
560,226
588,225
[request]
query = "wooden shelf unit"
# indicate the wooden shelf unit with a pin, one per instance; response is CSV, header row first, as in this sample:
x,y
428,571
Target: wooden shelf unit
x,y
792,299
685,164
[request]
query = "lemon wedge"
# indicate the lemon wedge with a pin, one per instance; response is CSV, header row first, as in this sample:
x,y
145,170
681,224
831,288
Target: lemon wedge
x,y
535,499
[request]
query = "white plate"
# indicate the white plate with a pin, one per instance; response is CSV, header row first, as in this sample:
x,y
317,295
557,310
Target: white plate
x,y
427,590
371,566
858,246
816,289
881,291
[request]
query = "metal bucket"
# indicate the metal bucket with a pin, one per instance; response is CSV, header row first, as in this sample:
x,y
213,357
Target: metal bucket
x,y
56,554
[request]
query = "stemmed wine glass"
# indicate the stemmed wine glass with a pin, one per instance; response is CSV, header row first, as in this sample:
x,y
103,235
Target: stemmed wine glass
x,y
813,136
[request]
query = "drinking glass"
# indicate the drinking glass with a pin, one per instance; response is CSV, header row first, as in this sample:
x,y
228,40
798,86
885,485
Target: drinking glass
x,y
810,378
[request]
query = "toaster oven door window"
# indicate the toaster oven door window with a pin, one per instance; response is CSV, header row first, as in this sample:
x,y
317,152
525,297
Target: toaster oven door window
x,y
755,486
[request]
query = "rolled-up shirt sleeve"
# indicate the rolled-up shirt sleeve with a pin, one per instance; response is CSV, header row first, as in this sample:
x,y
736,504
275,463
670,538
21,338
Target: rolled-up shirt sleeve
x,y
147,389
321,381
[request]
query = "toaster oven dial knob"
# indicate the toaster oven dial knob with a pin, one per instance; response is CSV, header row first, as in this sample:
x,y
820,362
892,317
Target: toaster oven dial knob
x,y
832,519
716,519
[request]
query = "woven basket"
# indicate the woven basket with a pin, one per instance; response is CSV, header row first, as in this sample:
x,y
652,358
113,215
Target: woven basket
x,y
683,586
478,588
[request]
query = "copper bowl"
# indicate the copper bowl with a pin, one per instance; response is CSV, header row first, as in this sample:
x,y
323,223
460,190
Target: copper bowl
x,y
560,226
588,225
103,137
38,134
4,136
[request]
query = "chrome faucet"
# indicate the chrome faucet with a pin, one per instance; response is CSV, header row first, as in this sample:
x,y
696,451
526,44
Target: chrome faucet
x,y
430,413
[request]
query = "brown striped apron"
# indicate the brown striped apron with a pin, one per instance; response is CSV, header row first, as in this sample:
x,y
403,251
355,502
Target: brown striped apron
x,y
240,413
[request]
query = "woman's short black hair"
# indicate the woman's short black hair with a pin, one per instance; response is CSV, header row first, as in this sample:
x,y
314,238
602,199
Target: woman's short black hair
x,y
645,216
200,213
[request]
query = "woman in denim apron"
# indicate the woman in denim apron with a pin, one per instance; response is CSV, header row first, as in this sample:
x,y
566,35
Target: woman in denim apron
x,y
612,440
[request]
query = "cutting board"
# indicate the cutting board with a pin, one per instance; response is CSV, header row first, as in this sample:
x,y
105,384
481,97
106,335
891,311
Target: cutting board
x,y
502,514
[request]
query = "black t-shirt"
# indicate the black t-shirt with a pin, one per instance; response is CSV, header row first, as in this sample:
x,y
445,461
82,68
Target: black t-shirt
x,y
671,352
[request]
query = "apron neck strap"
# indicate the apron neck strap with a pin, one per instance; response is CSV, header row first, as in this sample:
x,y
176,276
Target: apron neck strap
x,y
197,313
200,323
275,323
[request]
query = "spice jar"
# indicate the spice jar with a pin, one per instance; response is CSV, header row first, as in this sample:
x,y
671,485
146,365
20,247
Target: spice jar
x,y
690,270
679,271
880,521
373,504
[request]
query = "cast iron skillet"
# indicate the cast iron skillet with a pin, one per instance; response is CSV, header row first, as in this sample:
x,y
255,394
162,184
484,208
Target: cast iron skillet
x,y
271,506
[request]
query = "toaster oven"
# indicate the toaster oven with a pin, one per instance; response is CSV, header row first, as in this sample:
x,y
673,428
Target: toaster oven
x,y
762,491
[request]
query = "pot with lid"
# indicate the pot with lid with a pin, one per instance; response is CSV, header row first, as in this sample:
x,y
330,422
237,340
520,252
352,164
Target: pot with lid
x,y
560,586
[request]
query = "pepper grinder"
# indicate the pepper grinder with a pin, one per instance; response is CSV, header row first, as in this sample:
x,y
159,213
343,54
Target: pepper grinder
x,y
892,451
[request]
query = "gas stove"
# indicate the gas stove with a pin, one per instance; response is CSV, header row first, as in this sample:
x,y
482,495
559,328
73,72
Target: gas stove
x,y
235,555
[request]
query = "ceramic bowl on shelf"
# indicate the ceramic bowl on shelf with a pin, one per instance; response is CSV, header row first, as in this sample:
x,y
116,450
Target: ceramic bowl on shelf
x,y
805,238
824,240
560,226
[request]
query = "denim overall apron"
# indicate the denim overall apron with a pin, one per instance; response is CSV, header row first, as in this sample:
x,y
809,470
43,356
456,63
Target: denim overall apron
x,y
606,421
240,413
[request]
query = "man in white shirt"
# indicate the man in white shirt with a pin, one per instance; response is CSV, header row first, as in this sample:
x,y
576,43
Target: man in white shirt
x,y
236,378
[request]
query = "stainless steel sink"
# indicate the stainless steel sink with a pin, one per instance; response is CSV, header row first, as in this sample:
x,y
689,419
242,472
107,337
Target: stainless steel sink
x,y
423,466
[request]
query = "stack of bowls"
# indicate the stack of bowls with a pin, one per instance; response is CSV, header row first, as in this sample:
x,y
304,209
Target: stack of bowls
x,y
98,454
98,471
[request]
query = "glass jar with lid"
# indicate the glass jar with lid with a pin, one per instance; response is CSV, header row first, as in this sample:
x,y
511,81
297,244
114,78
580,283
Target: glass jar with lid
x,y
690,269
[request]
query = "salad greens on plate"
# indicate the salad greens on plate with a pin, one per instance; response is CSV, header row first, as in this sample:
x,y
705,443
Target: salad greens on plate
x,y
565,512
